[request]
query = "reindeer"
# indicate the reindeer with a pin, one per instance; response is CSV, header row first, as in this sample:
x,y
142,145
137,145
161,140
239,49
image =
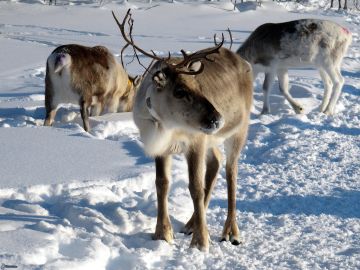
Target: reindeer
x,y
345,4
87,76
190,105
273,48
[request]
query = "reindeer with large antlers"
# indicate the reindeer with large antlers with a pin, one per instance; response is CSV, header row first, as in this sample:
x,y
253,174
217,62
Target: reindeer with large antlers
x,y
191,105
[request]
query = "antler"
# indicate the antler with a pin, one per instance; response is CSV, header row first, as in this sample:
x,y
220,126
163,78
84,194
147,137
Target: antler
x,y
129,41
231,38
197,56
230,35
187,58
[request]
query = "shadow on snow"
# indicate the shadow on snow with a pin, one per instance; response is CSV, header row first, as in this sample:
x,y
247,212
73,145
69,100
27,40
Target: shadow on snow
x,y
343,204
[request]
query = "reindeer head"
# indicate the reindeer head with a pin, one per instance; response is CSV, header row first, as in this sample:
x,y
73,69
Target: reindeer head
x,y
175,100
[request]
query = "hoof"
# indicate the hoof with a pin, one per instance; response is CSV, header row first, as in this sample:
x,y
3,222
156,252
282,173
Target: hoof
x,y
164,233
236,242
201,247
200,240
265,111
187,230
299,110
233,240
328,112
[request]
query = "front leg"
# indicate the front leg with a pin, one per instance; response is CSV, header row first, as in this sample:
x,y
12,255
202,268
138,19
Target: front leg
x,y
213,162
196,166
268,82
84,105
163,229
233,147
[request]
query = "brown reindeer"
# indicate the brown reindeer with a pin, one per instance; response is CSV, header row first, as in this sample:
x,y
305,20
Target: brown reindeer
x,y
191,105
87,76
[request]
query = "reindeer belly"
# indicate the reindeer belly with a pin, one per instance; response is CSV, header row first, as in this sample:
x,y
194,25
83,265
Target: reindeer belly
x,y
296,62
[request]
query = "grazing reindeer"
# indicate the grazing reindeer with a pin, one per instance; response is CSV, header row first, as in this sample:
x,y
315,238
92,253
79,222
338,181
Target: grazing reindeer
x,y
273,48
86,76
191,105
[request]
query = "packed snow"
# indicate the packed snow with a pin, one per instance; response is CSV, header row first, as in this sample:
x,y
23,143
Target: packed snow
x,y
76,200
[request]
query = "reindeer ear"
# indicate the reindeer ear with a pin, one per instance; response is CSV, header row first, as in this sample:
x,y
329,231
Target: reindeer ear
x,y
195,66
159,78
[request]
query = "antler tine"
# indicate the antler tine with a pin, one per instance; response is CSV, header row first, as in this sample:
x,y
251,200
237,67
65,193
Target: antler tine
x,y
231,38
126,38
183,53
215,42
188,58
121,55
199,55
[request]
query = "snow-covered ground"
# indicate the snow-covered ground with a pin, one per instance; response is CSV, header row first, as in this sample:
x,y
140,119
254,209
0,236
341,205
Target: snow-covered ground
x,y
72,200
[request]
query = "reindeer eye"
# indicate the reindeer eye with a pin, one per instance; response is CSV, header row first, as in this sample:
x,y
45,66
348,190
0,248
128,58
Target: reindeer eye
x,y
180,93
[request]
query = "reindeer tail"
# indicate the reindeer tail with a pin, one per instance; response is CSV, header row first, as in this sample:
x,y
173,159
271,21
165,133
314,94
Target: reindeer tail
x,y
61,60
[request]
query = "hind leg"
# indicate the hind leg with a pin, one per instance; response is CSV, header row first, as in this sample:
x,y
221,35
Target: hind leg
x,y
50,107
84,110
114,101
284,89
338,82
96,106
50,111
50,116
268,82
327,89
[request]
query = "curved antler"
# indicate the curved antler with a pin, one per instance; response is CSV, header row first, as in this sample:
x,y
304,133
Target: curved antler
x,y
179,67
130,41
231,38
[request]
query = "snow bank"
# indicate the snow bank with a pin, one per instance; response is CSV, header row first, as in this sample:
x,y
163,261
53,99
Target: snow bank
x,y
72,200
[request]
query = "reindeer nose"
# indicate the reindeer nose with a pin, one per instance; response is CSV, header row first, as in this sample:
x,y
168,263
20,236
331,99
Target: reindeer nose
x,y
212,122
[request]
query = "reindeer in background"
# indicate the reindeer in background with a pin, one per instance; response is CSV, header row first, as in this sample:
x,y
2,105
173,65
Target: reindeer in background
x,y
345,4
273,48
89,77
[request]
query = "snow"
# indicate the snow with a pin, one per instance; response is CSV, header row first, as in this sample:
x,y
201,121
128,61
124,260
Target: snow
x,y
73,200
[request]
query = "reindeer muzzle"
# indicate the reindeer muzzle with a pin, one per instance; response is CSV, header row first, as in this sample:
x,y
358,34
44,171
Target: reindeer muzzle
x,y
211,123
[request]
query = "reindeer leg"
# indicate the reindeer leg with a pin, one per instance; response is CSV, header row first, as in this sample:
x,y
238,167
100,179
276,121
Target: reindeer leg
x,y
163,229
85,114
327,89
284,89
233,147
338,82
97,105
212,168
268,82
50,108
196,165
50,116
